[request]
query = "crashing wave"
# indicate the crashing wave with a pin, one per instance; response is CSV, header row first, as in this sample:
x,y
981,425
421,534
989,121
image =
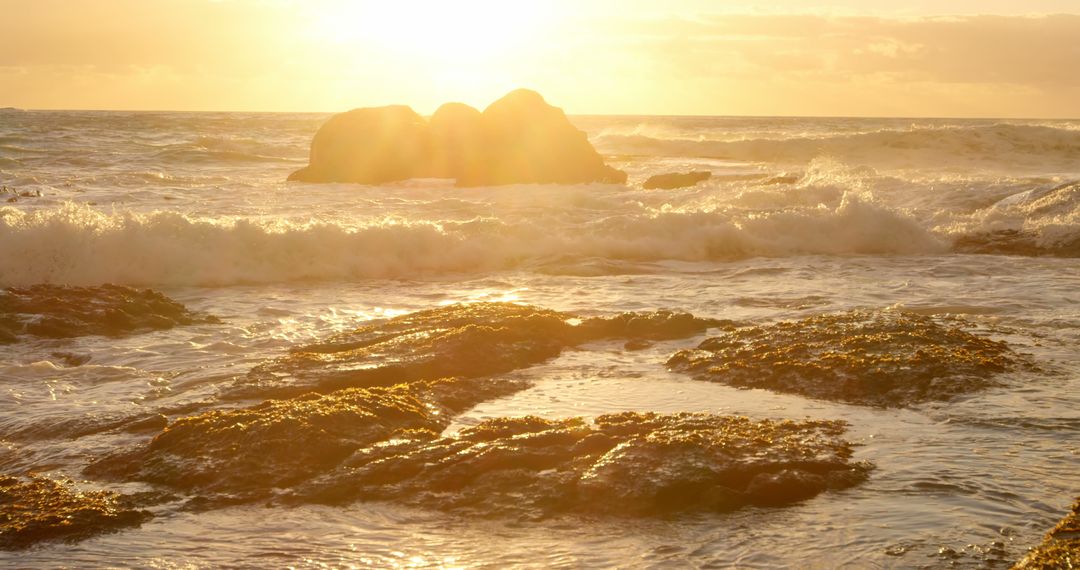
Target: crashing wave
x,y
81,245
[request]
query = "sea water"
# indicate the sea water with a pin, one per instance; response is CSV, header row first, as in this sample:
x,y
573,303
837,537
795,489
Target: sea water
x,y
978,219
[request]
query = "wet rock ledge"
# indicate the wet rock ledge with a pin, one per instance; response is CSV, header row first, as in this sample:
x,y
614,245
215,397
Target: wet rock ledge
x,y
1061,547
57,311
39,509
246,453
636,464
466,340
369,427
884,358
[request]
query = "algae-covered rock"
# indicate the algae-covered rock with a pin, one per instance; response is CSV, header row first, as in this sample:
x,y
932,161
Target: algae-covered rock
x,y
1061,547
464,340
635,464
249,452
872,358
56,311
39,509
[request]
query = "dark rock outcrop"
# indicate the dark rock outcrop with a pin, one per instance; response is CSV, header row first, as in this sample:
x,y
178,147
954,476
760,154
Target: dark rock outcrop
x,y
39,509
467,340
871,358
677,180
519,139
621,464
55,311
1060,548
246,453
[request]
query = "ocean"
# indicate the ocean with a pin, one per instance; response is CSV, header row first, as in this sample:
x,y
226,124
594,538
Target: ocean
x,y
974,222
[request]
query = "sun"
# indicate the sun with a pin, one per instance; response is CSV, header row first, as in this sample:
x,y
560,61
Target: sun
x,y
443,32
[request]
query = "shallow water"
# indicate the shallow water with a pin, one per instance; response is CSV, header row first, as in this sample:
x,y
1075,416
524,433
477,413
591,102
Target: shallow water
x,y
195,205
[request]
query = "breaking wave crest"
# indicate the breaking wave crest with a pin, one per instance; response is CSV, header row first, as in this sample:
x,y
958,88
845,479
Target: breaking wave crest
x,y
77,245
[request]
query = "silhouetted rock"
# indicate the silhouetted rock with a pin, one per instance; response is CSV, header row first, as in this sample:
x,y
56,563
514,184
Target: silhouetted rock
x,y
370,146
39,509
466,340
871,358
530,141
459,140
519,139
636,464
676,180
55,311
1060,548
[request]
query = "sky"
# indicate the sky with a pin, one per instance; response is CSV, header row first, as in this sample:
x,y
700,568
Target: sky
x,y
917,58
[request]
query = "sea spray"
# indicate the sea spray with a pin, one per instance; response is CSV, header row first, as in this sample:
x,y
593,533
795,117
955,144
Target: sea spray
x,y
81,245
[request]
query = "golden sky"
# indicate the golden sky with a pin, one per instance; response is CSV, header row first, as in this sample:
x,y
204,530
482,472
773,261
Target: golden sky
x,y
986,58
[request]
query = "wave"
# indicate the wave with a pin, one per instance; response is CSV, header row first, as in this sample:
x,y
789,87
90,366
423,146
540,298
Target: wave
x,y
251,147
1003,143
1040,221
80,245
208,156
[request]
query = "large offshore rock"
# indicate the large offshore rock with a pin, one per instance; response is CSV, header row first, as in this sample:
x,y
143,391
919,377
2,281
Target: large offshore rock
x,y
370,146
886,358
519,139
460,141
39,509
530,141
636,464
57,311
464,340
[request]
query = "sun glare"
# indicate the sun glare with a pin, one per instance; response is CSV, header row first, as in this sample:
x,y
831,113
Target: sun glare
x,y
444,33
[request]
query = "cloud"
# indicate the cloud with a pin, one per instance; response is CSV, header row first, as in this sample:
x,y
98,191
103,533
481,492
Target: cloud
x,y
1034,51
263,54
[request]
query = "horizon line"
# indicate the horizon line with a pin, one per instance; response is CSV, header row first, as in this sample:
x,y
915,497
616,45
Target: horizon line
x,y
668,115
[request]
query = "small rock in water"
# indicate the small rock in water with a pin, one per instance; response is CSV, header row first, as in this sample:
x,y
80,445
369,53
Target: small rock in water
x,y
871,358
39,509
675,180
56,311
70,359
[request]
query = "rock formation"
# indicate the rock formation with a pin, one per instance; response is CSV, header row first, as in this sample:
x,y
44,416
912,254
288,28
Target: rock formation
x,y
246,453
370,146
872,358
519,139
1060,548
636,464
55,311
40,509
676,180
467,340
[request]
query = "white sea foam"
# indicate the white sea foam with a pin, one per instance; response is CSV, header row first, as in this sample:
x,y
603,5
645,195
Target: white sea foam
x,y
78,244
